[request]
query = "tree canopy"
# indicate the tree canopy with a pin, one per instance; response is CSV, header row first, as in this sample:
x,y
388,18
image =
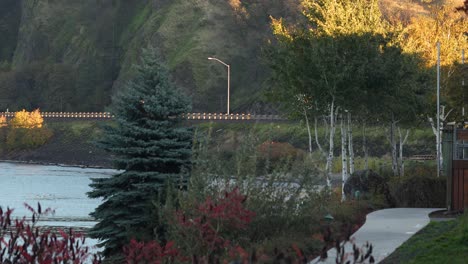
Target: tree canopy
x,y
339,56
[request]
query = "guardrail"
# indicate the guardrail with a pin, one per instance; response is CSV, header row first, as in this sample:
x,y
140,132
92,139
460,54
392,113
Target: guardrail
x,y
188,116
220,116
105,115
422,157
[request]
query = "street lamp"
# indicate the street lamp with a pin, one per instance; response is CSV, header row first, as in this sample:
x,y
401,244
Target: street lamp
x,y
228,79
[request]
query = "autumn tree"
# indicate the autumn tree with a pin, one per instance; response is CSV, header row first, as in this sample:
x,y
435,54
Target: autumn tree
x,y
24,119
27,131
344,54
442,25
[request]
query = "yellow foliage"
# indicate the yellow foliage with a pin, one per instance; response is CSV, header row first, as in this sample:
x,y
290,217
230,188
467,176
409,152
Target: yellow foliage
x,y
345,17
280,30
3,121
24,119
443,25
238,8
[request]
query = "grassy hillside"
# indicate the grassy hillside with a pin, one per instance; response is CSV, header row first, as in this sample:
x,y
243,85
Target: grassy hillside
x,y
73,55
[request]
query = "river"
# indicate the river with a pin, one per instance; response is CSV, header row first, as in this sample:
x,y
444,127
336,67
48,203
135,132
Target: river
x,y
62,189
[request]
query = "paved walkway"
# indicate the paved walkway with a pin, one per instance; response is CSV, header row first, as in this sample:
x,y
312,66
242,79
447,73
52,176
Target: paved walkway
x,y
386,230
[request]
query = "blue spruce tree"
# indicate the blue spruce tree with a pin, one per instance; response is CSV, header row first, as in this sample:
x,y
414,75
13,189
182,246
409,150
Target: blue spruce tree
x,y
150,146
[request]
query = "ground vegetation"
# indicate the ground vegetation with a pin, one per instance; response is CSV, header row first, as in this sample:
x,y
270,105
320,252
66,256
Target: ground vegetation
x,y
439,242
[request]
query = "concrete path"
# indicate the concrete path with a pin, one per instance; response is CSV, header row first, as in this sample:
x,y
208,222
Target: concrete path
x,y
386,230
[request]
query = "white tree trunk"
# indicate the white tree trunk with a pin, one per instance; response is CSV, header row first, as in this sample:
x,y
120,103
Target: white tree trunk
x,y
392,141
364,148
316,137
328,166
308,131
350,146
325,121
434,130
344,161
443,117
402,143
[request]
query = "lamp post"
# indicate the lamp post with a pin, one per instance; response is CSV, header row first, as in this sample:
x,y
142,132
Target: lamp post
x,y
228,80
438,110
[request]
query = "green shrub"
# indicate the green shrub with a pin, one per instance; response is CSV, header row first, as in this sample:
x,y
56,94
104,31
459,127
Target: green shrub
x,y
27,138
371,186
426,168
419,191
282,191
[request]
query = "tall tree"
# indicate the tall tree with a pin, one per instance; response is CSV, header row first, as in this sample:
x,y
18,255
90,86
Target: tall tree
x,y
442,25
343,57
323,61
152,149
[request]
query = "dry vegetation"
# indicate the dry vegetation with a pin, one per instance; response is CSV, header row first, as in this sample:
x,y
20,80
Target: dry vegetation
x,y
404,10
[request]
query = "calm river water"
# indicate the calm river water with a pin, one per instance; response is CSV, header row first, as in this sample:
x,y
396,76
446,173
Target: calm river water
x,y
60,188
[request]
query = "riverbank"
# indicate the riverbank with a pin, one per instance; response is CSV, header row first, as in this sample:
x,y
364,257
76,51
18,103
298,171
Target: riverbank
x,y
32,162
72,144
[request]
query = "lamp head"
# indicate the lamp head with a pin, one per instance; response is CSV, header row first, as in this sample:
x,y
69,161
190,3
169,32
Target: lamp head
x,y
210,58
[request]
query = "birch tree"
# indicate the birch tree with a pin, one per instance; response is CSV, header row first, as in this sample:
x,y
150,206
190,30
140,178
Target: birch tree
x,y
350,146
344,161
443,117
328,167
364,147
341,60
401,165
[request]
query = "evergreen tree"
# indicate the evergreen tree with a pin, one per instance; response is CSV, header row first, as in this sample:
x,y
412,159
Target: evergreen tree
x,y
150,146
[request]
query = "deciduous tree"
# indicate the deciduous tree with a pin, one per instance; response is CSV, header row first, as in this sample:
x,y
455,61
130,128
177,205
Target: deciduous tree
x,y
343,58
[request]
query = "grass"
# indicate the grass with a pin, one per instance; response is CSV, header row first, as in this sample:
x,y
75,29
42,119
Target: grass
x,y
420,141
439,242
72,130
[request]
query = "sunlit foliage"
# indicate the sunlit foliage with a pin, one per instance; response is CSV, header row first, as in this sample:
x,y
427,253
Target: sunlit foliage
x,y
344,17
3,121
442,25
25,119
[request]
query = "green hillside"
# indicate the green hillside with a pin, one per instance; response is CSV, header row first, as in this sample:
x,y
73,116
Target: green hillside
x,y
73,55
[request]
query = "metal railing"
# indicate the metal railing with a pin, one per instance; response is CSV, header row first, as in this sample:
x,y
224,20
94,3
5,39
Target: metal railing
x,y
188,116
105,115
423,157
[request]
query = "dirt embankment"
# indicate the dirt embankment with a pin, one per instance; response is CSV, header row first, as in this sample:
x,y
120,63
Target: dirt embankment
x,y
72,143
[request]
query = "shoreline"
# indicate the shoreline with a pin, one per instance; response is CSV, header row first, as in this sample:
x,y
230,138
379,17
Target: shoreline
x,y
32,162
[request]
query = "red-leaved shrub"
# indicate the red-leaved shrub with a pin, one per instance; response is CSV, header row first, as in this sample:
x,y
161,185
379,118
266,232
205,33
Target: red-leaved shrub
x,y
21,241
150,252
214,222
204,233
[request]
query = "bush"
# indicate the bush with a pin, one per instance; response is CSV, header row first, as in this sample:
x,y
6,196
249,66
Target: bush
x,y
24,119
23,242
27,138
216,231
419,191
245,207
277,151
149,252
370,185
283,193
